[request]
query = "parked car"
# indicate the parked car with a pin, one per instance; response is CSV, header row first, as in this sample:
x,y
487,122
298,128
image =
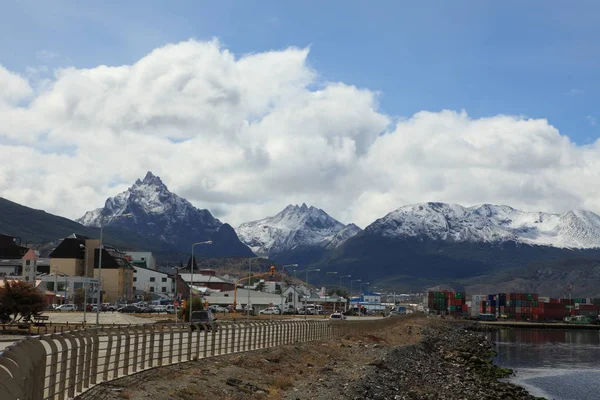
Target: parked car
x,y
337,317
171,309
158,308
203,319
66,307
131,309
270,311
108,307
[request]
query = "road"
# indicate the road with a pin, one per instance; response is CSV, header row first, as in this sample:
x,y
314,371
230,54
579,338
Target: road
x,y
76,317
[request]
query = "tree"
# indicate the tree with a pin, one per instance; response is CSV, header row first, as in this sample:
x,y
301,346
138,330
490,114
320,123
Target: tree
x,y
79,297
197,305
19,300
147,296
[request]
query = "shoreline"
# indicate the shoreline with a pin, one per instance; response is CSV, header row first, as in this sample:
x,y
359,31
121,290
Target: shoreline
x,y
452,361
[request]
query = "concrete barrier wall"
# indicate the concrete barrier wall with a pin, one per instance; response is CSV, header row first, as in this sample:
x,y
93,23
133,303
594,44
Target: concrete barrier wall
x,y
63,365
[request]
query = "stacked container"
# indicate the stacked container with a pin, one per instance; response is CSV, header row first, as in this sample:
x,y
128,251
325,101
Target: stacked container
x,y
445,302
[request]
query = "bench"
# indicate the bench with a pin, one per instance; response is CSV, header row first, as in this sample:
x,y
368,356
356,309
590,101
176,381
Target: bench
x,y
40,320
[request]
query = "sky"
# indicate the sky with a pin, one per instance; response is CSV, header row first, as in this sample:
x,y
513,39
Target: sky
x,y
245,107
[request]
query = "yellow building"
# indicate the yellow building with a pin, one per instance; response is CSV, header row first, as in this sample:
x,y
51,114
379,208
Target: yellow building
x,y
74,256
116,276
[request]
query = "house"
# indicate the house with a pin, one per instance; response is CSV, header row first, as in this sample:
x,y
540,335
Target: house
x,y
209,279
11,253
147,280
294,296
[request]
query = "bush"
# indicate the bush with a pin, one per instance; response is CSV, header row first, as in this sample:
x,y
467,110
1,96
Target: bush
x,y
197,305
19,300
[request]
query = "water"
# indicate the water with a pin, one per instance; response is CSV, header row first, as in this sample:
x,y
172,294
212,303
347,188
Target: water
x,y
555,364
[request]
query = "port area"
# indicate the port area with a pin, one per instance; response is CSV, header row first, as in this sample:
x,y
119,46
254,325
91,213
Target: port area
x,y
539,325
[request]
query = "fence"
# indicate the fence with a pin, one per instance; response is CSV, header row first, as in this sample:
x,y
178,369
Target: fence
x,y
62,365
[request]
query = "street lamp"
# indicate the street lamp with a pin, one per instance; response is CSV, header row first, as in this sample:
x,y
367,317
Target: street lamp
x,y
82,246
341,287
351,282
364,283
332,273
101,247
281,284
192,273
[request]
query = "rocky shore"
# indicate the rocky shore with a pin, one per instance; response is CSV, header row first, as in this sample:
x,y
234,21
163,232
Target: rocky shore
x,y
452,361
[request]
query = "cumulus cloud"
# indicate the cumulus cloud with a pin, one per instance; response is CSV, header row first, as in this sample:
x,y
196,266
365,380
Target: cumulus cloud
x,y
248,135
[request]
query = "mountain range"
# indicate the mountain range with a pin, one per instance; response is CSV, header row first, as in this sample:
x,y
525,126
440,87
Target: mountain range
x,y
408,248
298,234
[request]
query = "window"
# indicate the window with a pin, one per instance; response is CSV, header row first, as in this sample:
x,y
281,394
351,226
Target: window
x,y
164,279
135,278
134,288
151,289
290,297
164,289
152,279
28,262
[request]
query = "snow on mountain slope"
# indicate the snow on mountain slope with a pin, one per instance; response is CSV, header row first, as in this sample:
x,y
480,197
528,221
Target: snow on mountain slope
x,y
293,227
490,223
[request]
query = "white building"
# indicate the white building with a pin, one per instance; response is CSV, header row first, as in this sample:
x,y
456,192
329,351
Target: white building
x,y
258,300
140,257
65,286
146,280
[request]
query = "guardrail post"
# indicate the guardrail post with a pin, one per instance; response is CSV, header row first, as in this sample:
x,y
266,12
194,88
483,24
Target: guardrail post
x,y
136,344
221,340
213,336
190,340
127,356
62,380
151,348
233,337
161,340
197,340
180,347
171,343
53,365
81,337
109,346
245,346
205,352
118,332
144,345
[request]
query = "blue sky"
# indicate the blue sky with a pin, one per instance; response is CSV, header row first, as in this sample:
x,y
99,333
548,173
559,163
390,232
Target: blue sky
x,y
534,58
538,59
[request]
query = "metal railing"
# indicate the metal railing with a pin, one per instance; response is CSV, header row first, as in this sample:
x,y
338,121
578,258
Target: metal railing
x,y
63,365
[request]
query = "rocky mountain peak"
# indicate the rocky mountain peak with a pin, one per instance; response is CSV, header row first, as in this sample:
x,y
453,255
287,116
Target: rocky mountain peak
x,y
157,212
292,228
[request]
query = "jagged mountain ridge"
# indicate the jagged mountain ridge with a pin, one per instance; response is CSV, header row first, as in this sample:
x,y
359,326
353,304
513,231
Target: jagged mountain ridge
x,y
577,229
295,228
159,213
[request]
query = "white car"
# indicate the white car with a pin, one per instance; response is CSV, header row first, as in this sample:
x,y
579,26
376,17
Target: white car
x,y
270,311
66,307
337,317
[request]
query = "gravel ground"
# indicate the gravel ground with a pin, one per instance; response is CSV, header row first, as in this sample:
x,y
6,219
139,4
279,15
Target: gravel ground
x,y
418,358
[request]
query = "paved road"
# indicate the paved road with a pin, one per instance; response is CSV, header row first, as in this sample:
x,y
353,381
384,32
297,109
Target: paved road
x,y
76,317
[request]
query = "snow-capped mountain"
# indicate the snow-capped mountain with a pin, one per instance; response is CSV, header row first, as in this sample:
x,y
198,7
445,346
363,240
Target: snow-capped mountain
x,y
294,228
490,224
157,212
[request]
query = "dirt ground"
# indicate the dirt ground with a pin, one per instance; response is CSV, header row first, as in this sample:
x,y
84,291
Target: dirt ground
x,y
315,370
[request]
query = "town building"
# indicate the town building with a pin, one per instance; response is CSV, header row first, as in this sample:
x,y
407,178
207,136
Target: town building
x,y
74,256
117,275
146,280
369,300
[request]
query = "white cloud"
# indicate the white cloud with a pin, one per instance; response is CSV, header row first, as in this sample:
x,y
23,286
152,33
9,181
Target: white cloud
x,y
248,135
